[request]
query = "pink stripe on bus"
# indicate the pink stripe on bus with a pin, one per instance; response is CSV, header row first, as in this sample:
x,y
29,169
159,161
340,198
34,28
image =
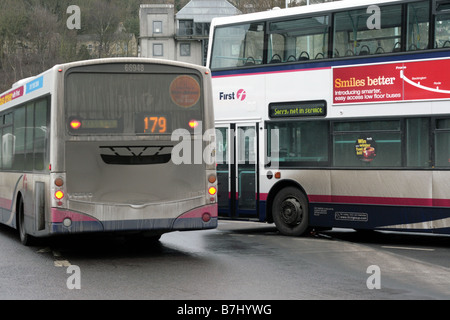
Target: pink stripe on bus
x,y
58,216
424,202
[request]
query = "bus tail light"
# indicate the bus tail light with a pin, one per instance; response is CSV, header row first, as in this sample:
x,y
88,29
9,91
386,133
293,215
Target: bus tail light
x,y
206,217
58,189
59,182
59,195
212,191
212,187
212,178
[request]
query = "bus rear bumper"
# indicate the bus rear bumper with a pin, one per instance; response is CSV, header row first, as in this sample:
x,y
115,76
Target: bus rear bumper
x,y
200,218
66,221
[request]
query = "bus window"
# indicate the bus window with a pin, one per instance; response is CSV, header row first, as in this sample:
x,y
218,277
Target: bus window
x,y
7,142
239,45
442,147
277,48
299,39
352,36
367,144
418,26
303,143
40,134
133,104
19,139
442,24
418,142
7,148
28,150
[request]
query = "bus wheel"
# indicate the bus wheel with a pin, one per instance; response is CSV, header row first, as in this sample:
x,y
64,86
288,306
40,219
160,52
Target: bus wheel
x,y
25,238
290,211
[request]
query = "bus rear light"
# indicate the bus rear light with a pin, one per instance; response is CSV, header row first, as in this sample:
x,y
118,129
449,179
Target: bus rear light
x,y
59,194
212,190
67,222
206,217
59,182
75,124
193,124
212,178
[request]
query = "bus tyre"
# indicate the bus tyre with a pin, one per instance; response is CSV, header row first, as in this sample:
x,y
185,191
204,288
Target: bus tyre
x,y
290,211
25,238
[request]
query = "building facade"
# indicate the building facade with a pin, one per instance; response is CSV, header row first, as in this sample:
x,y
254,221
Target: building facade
x,y
182,36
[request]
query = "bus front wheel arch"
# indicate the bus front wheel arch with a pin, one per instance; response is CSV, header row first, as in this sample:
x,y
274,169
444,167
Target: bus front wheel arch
x,y
290,211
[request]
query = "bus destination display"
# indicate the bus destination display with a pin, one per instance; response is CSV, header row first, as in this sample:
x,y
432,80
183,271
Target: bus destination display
x,y
152,123
298,109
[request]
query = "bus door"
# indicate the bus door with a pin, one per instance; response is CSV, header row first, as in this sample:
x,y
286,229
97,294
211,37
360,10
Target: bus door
x,y
225,142
237,160
246,171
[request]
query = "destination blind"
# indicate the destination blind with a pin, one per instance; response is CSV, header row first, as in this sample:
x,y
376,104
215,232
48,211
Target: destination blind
x,y
298,109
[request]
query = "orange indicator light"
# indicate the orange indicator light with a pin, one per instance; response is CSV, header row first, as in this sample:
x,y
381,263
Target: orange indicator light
x,y
59,194
193,124
75,124
212,191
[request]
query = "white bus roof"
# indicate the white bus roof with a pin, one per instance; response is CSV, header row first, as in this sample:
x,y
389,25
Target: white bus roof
x,y
316,8
24,81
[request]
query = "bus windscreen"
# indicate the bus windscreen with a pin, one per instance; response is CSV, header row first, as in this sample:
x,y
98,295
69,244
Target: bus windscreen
x,y
132,104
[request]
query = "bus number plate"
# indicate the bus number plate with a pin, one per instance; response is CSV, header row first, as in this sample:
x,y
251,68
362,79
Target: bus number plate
x,y
134,67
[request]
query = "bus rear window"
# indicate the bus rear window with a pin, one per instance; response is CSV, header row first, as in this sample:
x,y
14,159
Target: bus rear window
x,y
142,104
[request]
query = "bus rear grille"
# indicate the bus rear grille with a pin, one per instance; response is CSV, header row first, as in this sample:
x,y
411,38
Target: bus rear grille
x,y
136,155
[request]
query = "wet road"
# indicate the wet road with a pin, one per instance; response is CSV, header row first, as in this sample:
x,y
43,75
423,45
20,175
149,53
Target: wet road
x,y
239,260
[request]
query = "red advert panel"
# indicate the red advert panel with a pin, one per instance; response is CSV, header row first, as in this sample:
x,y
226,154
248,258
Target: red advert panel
x,y
419,80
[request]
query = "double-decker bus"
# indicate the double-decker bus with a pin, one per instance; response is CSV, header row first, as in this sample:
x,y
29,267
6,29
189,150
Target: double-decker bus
x,y
335,115
94,146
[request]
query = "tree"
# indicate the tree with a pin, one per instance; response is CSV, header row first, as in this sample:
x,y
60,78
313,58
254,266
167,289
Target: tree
x,y
42,38
102,18
12,28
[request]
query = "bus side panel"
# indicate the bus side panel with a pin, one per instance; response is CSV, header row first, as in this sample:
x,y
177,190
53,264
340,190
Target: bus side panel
x,y
368,217
8,191
305,86
391,200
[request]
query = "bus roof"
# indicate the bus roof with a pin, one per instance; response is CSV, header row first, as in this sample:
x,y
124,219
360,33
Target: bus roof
x,y
24,81
130,60
312,9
